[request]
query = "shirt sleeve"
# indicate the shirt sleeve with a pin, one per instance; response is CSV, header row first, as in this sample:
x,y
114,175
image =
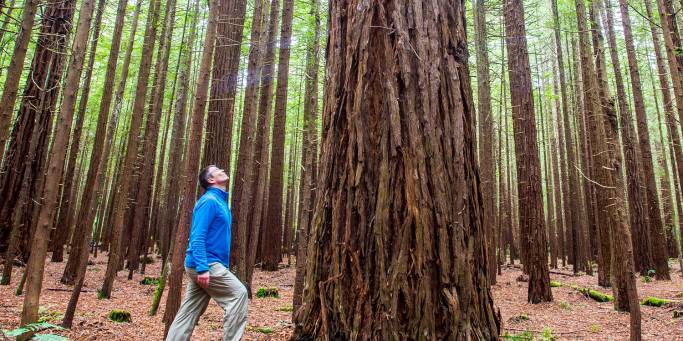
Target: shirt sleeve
x,y
202,217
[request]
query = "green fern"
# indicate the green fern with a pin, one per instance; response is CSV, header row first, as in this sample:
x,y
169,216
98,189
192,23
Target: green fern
x,y
49,337
31,328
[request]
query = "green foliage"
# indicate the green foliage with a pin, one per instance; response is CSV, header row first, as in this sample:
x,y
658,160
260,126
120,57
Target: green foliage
x,y
519,318
596,295
267,292
264,330
547,334
555,284
100,295
120,316
47,315
150,281
285,308
655,302
595,328
523,336
565,305
36,327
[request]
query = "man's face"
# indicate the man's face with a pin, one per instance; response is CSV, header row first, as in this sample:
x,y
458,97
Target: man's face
x,y
217,176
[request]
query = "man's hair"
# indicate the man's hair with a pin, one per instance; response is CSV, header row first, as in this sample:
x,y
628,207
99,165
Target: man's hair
x,y
204,177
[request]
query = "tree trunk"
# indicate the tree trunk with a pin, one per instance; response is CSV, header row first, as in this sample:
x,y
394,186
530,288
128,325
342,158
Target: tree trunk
x,y
658,238
124,189
218,139
68,203
308,154
187,178
381,164
244,176
636,199
15,68
530,199
23,166
273,221
50,193
486,137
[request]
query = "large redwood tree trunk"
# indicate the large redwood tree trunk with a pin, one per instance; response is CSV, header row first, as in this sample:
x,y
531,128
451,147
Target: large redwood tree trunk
x,y
397,247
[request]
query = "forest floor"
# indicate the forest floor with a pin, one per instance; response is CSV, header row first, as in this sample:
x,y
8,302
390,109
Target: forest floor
x,y
571,316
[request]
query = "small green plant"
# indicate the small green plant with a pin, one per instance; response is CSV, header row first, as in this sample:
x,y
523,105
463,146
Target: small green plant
x,y
264,330
267,292
555,284
519,318
100,295
596,295
34,328
595,328
655,302
547,334
523,336
565,305
47,315
285,308
150,281
120,316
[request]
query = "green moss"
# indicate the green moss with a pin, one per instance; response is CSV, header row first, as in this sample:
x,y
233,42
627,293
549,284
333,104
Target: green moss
x,y
523,336
120,316
149,281
655,302
264,330
596,295
267,292
555,284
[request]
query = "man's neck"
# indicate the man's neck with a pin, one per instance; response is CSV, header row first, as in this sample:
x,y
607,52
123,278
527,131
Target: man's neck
x,y
220,186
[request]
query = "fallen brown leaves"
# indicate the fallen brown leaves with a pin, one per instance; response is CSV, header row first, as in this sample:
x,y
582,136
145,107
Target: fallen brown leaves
x,y
571,316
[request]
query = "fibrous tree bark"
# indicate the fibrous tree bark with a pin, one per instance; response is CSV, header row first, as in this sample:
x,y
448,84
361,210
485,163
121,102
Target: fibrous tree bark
x,y
657,238
192,152
273,221
15,68
124,190
50,193
218,140
399,210
636,199
308,155
485,136
530,200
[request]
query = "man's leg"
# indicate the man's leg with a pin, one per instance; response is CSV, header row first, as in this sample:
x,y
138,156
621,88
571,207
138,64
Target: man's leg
x,y
193,306
231,295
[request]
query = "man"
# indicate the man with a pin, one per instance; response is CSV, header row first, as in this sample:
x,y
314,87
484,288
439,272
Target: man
x,y
207,264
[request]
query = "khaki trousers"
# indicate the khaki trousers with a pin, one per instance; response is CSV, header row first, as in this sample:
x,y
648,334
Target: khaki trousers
x,y
226,290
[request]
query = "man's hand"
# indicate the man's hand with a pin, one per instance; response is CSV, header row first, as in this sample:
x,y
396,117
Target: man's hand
x,y
203,280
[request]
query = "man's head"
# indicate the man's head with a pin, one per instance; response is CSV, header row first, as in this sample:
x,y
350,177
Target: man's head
x,y
212,176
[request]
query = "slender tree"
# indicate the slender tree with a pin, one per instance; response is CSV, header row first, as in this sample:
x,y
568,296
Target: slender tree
x,y
50,194
658,239
124,189
192,152
530,200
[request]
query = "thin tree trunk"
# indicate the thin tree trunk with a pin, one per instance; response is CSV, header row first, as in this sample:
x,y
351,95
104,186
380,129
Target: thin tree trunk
x,y
15,68
124,190
486,137
50,194
658,238
273,220
187,178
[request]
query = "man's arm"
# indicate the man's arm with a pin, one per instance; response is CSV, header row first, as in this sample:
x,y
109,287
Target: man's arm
x,y
201,219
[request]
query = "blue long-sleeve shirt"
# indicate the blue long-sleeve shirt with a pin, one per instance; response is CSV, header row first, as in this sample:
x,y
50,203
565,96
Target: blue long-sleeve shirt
x,y
210,231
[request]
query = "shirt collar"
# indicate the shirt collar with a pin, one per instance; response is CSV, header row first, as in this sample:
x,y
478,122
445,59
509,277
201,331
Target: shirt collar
x,y
219,192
